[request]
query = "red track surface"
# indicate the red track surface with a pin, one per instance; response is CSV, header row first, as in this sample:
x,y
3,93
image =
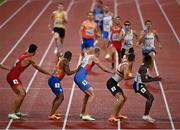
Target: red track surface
x,y
39,97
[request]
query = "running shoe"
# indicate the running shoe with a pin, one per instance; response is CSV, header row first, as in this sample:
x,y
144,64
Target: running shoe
x,y
13,116
113,119
54,117
123,117
148,118
88,118
55,50
20,114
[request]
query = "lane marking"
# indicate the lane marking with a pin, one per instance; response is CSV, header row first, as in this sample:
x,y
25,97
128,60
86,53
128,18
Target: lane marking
x,y
156,70
25,33
15,13
168,21
27,89
73,86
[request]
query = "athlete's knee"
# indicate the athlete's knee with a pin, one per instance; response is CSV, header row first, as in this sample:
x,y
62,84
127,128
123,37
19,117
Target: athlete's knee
x,y
22,93
150,98
60,96
56,35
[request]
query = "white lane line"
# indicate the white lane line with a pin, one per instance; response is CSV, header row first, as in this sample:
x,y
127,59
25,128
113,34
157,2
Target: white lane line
x,y
27,89
73,86
15,13
3,2
24,34
168,21
70,100
157,73
116,53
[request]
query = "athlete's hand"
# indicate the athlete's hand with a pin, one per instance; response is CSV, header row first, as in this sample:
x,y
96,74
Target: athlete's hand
x,y
157,78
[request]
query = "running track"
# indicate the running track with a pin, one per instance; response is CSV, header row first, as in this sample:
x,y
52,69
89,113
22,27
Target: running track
x,y
29,25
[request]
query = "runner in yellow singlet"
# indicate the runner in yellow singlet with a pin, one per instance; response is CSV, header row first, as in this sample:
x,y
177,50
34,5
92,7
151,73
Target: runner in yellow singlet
x,y
57,21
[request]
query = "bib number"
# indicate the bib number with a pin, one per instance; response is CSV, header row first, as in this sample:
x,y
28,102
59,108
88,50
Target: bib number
x,y
15,81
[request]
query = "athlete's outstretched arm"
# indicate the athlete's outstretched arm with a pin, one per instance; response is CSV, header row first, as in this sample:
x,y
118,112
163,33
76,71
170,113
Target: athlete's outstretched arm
x,y
145,78
101,66
4,67
38,67
67,69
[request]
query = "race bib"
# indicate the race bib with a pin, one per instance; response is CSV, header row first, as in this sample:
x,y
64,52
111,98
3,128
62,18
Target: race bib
x,y
115,37
90,32
58,22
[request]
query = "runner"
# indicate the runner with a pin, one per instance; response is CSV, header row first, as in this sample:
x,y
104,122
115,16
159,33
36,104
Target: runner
x,y
140,86
128,42
88,33
58,20
117,92
147,38
61,68
87,63
22,63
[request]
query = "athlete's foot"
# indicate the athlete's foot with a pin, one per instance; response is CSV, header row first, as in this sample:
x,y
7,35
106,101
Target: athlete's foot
x,y
113,119
123,117
58,114
20,114
54,117
148,118
55,50
13,116
88,118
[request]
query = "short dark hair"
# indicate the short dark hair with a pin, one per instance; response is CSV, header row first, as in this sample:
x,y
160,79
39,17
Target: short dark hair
x,y
68,54
32,48
148,21
131,57
97,49
147,60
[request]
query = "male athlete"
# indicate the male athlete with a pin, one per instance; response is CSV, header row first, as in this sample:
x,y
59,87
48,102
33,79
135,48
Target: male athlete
x,y
22,63
122,73
140,86
87,63
61,68
58,20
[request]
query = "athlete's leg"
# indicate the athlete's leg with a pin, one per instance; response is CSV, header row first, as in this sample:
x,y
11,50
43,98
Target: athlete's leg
x,y
21,93
149,101
85,100
89,98
57,102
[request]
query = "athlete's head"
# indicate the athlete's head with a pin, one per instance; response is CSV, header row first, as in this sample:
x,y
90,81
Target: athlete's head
x,y
32,49
68,55
60,6
90,15
148,24
131,57
147,60
127,25
117,20
97,51
106,8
